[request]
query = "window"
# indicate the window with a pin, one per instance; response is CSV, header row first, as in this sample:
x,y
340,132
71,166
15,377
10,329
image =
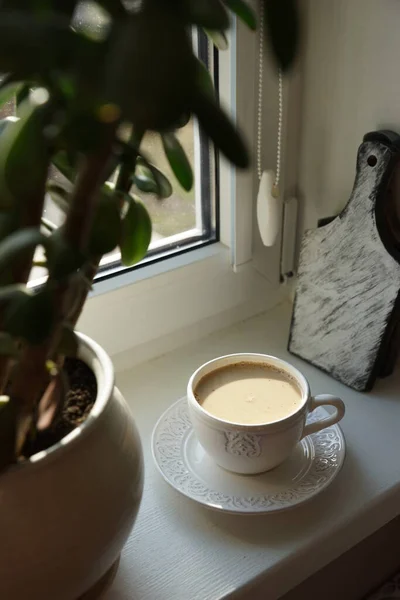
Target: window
x,y
162,305
175,294
183,221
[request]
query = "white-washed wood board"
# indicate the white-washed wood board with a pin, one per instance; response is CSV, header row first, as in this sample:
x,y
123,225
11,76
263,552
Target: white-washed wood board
x,y
346,308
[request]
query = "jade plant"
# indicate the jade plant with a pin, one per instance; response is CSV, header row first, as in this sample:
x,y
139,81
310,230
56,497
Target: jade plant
x,y
84,103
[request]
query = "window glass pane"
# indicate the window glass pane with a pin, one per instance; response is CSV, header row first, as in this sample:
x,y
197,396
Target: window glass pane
x,y
178,213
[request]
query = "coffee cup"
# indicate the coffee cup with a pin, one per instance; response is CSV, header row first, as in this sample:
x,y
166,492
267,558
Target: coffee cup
x,y
249,448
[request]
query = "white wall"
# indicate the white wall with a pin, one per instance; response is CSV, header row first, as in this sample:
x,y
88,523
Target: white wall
x,y
351,85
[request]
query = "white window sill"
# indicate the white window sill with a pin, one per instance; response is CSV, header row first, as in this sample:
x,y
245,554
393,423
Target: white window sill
x,y
179,550
167,304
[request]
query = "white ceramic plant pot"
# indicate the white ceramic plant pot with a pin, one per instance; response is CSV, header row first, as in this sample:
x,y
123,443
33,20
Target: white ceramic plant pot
x,y
66,514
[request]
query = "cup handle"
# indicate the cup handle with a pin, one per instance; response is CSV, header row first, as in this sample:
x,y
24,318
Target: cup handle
x,y
324,400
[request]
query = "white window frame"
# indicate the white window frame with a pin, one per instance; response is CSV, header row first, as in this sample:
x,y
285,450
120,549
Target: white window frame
x,y
143,313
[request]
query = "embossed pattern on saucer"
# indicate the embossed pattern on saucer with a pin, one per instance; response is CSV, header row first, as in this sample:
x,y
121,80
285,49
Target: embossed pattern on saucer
x,y
186,466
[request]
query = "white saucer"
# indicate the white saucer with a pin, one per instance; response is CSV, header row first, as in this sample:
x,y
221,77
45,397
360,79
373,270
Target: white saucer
x,y
184,464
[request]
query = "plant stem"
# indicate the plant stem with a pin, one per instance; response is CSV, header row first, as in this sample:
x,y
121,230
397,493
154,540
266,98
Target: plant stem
x,y
127,168
90,269
30,377
28,381
83,198
31,213
89,272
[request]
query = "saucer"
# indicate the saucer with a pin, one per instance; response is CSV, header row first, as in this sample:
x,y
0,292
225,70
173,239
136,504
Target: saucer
x,y
185,465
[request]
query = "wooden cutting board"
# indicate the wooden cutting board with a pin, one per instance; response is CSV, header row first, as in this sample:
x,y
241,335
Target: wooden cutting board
x,y
346,316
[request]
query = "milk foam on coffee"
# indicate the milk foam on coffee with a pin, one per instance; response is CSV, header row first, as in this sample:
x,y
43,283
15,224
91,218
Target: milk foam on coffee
x,y
248,393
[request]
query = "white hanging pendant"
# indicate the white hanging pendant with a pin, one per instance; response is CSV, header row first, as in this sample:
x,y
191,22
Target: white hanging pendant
x,y
269,209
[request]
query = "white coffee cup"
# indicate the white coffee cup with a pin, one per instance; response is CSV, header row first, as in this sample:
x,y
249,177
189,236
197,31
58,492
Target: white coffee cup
x,y
249,449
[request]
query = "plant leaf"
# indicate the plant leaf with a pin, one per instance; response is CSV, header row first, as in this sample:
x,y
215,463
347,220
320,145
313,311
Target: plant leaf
x,y
18,243
206,13
65,165
62,259
150,51
5,122
67,7
8,346
83,131
59,195
243,11
8,89
220,130
30,316
106,226
31,47
204,79
8,431
151,180
218,38
182,121
11,292
164,187
9,221
136,232
114,7
23,149
144,180
130,153
69,343
282,29
178,160
28,152
23,94
62,6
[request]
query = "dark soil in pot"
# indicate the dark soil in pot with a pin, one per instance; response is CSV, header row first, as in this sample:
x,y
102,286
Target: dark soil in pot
x,y
77,406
